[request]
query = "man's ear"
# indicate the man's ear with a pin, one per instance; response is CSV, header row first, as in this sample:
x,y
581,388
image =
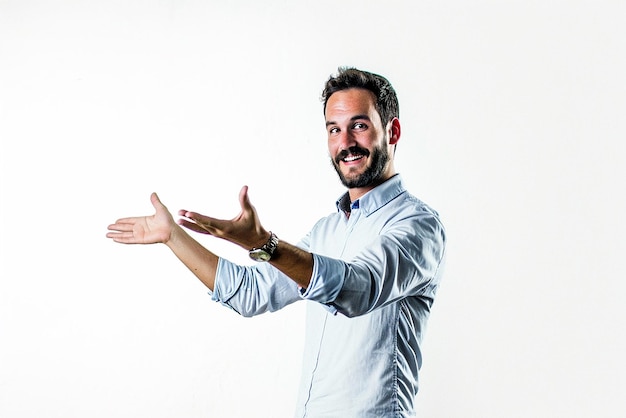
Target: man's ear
x,y
394,131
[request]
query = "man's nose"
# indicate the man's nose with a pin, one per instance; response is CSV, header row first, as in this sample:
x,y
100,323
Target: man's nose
x,y
346,140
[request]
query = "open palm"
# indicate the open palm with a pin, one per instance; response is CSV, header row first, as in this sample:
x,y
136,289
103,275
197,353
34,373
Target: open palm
x,y
152,229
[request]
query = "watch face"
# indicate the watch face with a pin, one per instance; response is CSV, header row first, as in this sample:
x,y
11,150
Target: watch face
x,y
259,254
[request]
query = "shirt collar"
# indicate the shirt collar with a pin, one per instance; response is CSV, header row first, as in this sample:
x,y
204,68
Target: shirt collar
x,y
375,199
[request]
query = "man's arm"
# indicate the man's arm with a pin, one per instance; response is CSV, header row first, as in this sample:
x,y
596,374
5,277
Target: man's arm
x,y
294,262
244,230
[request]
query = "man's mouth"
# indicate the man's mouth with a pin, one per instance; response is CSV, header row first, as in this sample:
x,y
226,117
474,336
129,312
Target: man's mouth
x,y
351,158
352,154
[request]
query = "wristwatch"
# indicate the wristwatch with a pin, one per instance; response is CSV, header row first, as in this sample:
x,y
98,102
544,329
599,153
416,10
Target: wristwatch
x,y
266,251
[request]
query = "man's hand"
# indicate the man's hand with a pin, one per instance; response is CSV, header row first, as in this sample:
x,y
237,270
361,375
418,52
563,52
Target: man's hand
x,y
144,229
245,229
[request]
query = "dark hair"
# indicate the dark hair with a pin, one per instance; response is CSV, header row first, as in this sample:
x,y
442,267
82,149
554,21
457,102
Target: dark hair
x,y
349,77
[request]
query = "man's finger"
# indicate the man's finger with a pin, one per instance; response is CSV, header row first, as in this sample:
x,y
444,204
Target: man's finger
x,y
156,202
244,199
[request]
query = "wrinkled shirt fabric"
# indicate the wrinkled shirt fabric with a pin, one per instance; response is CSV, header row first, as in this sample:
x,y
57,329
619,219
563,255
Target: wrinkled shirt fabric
x,y
375,276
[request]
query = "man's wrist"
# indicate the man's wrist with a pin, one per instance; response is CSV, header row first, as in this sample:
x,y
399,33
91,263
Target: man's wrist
x,y
266,236
265,251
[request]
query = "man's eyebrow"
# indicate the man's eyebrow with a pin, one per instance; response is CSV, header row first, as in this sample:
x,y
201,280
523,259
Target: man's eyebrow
x,y
353,118
365,117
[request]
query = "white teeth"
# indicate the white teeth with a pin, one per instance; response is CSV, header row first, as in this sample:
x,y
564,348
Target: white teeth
x,y
352,158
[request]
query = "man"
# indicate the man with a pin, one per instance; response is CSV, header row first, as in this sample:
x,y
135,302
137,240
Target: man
x,y
370,271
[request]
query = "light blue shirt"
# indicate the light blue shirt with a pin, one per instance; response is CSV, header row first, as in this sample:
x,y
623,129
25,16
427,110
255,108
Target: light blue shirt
x,y
374,280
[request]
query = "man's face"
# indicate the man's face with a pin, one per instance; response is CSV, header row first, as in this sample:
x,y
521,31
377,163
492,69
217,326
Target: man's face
x,y
357,141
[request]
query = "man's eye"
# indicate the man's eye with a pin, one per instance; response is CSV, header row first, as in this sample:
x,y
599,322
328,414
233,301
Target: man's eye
x,y
333,130
359,125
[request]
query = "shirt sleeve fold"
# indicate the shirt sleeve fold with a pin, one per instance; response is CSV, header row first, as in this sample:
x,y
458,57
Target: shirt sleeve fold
x,y
252,290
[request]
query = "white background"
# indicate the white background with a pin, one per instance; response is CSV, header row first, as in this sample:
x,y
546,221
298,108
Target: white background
x,y
513,128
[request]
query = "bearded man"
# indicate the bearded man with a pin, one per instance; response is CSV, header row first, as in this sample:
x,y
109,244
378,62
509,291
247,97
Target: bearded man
x,y
369,272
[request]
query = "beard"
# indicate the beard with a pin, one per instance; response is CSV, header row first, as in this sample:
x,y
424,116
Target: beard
x,y
372,174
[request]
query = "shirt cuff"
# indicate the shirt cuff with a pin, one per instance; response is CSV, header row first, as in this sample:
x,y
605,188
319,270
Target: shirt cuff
x,y
326,281
222,292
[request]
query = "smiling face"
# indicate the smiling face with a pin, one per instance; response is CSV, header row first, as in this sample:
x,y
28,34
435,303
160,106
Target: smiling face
x,y
360,148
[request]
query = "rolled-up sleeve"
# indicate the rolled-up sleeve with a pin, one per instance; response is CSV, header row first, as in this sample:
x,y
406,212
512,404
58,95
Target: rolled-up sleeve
x,y
404,260
326,281
252,290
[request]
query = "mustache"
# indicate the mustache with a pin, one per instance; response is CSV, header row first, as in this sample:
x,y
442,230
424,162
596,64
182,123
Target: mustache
x,y
354,150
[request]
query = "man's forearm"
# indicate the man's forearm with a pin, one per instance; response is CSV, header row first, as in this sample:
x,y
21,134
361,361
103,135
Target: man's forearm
x,y
200,261
294,262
